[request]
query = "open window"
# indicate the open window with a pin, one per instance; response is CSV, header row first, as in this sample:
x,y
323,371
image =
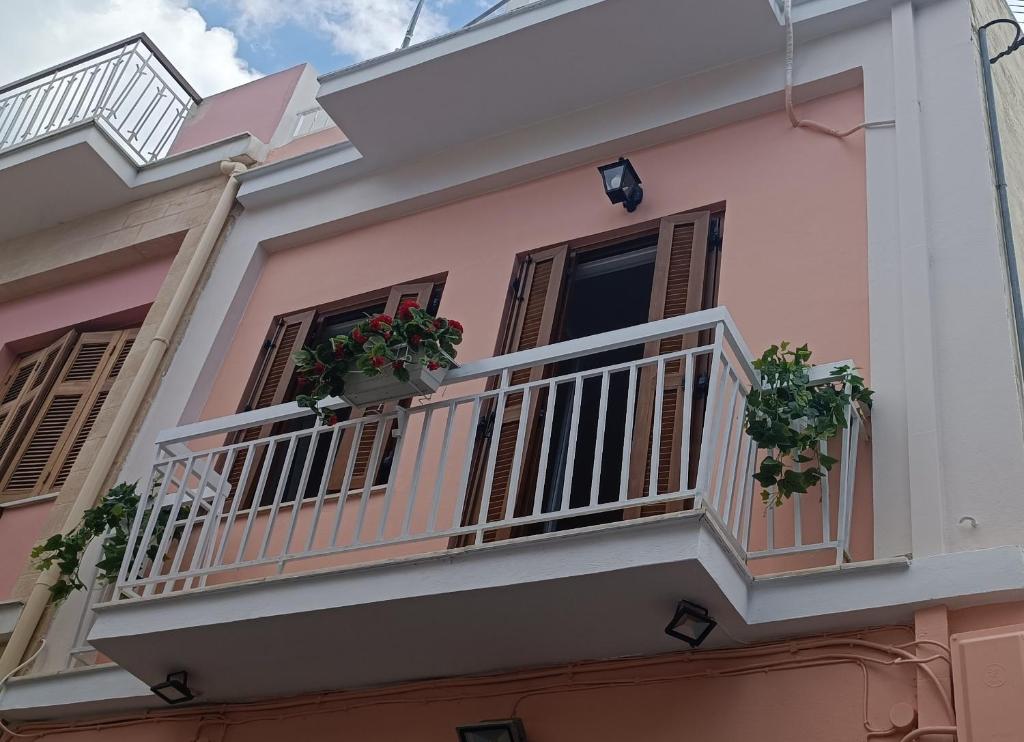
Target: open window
x,y
273,382
649,272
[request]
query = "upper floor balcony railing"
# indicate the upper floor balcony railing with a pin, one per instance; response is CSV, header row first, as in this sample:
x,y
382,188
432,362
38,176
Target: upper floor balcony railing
x,y
611,428
128,88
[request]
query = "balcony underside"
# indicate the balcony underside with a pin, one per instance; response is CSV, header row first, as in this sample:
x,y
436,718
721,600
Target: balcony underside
x,y
553,58
81,171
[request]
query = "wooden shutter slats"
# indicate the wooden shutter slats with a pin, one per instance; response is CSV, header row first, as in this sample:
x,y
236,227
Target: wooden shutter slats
x,y
18,383
531,325
31,466
677,290
54,437
31,381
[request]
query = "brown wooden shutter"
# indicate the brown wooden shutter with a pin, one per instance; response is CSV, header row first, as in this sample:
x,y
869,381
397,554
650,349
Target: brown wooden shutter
x,y
420,293
27,385
62,424
678,289
270,383
531,325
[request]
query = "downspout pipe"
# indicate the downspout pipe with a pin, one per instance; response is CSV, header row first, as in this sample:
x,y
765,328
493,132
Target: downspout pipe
x,y
156,350
999,168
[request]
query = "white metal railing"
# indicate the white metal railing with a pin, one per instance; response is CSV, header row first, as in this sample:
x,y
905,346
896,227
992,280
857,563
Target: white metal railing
x,y
563,436
129,88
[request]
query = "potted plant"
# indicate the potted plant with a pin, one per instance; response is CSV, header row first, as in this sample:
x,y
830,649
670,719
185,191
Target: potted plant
x,y
788,415
383,358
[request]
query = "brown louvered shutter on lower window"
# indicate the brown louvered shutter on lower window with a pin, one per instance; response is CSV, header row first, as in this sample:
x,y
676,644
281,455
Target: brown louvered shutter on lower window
x,y
61,424
270,383
420,293
678,289
27,385
531,325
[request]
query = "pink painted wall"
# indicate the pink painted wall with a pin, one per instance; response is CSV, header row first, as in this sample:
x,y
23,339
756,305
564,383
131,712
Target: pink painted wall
x,y
714,696
20,529
255,107
25,322
308,143
794,260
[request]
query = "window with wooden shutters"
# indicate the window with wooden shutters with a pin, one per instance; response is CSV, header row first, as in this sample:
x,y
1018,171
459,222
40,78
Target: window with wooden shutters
x,y
678,289
269,384
531,324
27,385
61,425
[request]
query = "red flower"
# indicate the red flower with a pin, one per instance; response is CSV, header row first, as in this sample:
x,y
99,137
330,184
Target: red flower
x,y
358,336
332,419
387,335
455,325
375,324
302,382
339,350
438,323
319,368
433,365
406,307
415,340
398,365
378,361
386,319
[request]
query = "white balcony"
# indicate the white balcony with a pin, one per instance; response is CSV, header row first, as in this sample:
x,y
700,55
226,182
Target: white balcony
x,y
93,133
534,500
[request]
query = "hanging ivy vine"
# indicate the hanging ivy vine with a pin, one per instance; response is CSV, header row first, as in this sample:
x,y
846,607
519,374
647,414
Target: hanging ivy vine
x,y
111,519
788,417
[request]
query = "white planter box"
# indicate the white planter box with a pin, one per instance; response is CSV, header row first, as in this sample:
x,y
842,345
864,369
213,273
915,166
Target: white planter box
x,y
362,390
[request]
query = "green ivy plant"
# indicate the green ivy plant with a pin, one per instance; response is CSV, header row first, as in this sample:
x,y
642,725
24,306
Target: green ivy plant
x,y
111,519
788,416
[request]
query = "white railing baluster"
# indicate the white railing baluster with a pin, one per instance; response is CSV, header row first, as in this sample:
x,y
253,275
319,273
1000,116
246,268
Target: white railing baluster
x,y
545,449
627,435
602,415
236,501
442,466
709,431
300,491
492,453
658,413
325,478
826,498
282,480
346,483
728,414
371,473
570,455
512,493
467,464
254,504
417,470
401,425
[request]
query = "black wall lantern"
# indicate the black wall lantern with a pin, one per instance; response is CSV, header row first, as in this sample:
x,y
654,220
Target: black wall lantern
x,y
510,730
175,689
622,184
691,623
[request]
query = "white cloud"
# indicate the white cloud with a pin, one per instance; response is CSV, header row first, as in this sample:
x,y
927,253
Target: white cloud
x,y
38,34
357,28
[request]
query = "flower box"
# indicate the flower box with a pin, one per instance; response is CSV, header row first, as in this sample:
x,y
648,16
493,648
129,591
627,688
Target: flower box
x,y
361,390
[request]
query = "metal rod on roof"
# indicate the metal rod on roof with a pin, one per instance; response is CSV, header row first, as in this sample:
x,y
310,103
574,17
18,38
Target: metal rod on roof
x,y
486,13
412,24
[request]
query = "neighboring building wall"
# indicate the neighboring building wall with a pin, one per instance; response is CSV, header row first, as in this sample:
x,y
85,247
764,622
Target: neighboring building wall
x,y
265,108
136,253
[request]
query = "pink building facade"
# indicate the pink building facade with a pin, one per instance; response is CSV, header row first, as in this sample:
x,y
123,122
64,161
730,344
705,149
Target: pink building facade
x,y
512,546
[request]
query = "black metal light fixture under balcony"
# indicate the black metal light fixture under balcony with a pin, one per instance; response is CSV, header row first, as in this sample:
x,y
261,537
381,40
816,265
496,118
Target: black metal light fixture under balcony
x,y
510,730
691,623
622,184
175,689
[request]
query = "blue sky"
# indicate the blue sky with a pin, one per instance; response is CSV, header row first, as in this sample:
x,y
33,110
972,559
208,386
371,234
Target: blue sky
x,y
281,45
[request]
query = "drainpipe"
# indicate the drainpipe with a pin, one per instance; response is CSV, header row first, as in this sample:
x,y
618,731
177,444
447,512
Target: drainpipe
x,y
28,622
1009,252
